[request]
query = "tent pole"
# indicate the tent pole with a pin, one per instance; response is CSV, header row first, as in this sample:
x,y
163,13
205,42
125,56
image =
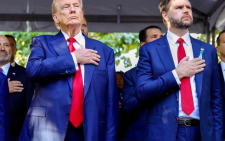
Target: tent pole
x,y
213,35
207,30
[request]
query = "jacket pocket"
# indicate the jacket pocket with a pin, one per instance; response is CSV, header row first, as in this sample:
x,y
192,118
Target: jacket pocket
x,y
154,120
37,111
210,121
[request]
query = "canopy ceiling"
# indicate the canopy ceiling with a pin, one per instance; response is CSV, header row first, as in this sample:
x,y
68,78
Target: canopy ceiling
x,y
107,15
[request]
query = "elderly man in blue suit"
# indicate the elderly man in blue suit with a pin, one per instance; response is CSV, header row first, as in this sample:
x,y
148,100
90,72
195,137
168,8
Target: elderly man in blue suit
x,y
75,84
4,91
135,111
177,76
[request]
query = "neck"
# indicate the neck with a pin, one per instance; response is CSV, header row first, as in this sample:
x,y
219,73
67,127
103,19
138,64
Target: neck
x,y
177,31
3,63
222,58
71,31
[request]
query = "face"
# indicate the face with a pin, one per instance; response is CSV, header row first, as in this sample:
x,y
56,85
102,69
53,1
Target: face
x,y
13,47
5,50
68,13
153,34
179,14
84,27
221,47
119,79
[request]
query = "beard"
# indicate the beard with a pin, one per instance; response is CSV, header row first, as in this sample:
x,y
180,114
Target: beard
x,y
5,59
178,23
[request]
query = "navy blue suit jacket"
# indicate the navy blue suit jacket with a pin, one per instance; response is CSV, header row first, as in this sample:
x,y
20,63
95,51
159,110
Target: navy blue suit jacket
x,y
19,102
136,112
223,96
51,66
4,105
157,86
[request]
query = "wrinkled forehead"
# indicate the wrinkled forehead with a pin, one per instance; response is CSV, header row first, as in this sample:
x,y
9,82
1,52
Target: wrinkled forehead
x,y
4,39
180,2
62,2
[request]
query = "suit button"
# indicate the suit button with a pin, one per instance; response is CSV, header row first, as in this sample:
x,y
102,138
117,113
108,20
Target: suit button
x,y
71,95
177,100
67,114
176,118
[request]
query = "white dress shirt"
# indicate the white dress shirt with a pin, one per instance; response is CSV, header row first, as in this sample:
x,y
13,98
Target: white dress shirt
x,y
5,68
80,41
223,69
172,39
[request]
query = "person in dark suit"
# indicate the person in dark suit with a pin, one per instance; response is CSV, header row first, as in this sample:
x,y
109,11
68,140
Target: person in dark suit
x,y
221,51
75,83
177,76
21,90
135,111
4,92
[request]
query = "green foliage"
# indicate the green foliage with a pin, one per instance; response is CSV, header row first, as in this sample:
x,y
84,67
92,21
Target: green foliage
x,y
22,44
121,43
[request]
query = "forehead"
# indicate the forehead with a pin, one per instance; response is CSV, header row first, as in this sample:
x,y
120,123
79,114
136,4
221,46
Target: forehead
x,y
3,39
62,2
153,31
179,2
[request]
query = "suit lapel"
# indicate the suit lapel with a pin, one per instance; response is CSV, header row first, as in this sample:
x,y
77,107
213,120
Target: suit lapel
x,y
88,68
196,47
60,45
12,73
222,81
166,55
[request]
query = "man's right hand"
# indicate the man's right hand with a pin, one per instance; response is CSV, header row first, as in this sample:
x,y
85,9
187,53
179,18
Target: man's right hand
x,y
15,86
188,68
87,56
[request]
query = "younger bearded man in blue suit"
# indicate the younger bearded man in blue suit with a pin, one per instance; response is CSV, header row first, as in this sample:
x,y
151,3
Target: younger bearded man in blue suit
x,y
75,84
178,77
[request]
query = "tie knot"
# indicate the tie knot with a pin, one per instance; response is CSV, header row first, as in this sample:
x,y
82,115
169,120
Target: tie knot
x,y
1,70
180,41
71,40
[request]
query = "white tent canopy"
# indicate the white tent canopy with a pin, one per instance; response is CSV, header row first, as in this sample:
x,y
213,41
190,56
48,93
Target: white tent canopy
x,y
108,15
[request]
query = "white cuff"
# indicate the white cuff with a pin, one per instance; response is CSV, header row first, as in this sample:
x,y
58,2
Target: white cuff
x,y
176,77
75,61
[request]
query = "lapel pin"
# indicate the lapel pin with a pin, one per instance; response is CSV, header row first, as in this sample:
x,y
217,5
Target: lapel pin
x,y
14,73
201,52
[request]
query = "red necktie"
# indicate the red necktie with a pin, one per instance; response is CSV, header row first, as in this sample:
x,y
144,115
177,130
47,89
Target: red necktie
x,y
76,112
187,103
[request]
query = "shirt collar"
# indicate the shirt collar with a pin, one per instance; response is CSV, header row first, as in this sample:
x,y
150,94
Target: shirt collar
x,y
5,68
13,64
172,38
78,37
222,65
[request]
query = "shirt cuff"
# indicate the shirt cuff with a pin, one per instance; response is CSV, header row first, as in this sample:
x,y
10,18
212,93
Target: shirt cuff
x,y
176,77
75,61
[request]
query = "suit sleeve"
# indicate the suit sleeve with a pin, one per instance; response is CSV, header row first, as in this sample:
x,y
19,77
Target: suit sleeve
x,y
112,111
216,101
149,88
4,106
130,102
41,66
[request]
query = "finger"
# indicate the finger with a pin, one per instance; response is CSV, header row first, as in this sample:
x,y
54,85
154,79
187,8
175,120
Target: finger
x,y
92,51
16,82
185,58
94,63
18,85
200,62
196,60
81,47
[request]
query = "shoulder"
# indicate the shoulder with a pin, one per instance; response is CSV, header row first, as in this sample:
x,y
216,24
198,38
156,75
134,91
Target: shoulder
x,y
206,45
2,78
133,70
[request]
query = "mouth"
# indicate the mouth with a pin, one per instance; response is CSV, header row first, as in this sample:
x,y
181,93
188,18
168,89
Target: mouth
x,y
186,17
3,53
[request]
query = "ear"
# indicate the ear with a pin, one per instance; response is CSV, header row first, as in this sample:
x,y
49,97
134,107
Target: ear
x,y
54,16
218,50
165,16
142,43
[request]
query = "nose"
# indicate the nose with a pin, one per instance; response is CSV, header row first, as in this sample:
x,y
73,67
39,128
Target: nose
x,y
72,8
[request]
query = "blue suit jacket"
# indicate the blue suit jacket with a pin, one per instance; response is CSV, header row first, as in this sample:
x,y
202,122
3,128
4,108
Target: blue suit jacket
x,y
157,86
136,112
51,66
4,105
222,83
19,101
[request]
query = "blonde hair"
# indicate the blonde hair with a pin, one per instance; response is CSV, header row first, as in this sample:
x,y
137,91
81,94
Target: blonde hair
x,y
54,10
